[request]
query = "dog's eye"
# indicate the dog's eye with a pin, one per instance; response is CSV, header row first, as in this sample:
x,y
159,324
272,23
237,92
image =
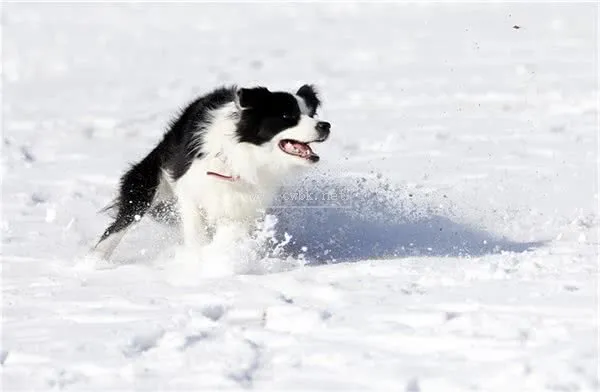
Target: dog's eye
x,y
287,116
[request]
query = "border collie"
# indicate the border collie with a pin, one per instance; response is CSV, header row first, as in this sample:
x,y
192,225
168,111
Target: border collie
x,y
222,160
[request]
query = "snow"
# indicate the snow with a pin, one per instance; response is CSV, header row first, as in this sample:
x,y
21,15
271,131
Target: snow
x,y
449,242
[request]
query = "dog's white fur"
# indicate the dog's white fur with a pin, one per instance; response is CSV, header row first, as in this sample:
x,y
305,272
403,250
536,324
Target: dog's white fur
x,y
207,202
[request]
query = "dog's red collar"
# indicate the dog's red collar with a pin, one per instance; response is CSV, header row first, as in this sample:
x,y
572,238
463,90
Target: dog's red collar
x,y
221,176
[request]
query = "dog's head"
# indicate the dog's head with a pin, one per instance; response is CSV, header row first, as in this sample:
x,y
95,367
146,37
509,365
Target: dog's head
x,y
282,124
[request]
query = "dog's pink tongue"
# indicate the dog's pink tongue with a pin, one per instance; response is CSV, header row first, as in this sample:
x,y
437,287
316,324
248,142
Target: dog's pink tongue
x,y
297,148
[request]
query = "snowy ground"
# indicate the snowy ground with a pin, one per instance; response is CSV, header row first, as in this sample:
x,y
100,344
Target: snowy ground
x,y
462,256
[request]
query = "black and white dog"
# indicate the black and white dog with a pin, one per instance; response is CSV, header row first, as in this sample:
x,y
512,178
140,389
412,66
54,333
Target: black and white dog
x,y
222,160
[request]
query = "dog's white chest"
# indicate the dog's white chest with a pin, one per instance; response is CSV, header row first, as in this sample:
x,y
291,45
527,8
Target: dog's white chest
x,y
220,194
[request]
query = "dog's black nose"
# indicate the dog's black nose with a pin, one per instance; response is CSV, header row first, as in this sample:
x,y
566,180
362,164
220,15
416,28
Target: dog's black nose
x,y
323,127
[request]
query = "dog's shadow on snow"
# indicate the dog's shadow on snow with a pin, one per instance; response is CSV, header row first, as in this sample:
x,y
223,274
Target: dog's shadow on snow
x,y
351,220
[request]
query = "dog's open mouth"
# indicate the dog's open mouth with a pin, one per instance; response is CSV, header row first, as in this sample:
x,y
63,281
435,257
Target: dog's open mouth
x,y
298,149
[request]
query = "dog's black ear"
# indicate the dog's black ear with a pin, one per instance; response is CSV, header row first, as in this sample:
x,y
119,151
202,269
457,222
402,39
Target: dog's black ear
x,y
251,97
310,96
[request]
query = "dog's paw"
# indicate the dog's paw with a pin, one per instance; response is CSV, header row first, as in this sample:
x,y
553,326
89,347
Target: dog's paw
x,y
92,260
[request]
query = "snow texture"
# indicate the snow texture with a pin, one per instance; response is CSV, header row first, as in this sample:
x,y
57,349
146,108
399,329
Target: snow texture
x,y
447,241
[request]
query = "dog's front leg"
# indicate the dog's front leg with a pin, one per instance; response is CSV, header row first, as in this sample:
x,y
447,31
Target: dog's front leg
x,y
193,224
